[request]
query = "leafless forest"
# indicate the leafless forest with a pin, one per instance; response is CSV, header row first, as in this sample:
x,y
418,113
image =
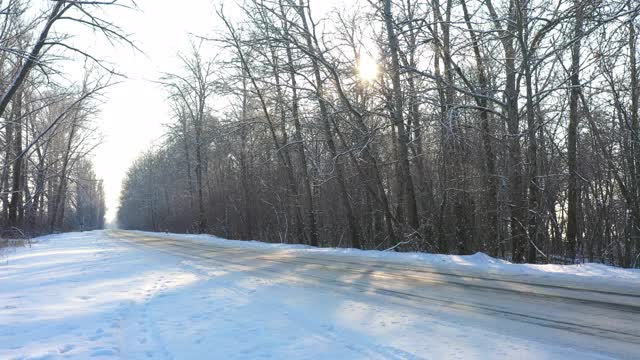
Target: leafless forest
x,y
47,178
451,126
508,127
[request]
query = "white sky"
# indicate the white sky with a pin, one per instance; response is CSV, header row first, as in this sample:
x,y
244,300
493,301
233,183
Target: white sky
x,y
132,117
134,111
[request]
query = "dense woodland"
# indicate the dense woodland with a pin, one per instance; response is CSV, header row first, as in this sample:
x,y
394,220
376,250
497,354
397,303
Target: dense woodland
x,y
50,91
504,126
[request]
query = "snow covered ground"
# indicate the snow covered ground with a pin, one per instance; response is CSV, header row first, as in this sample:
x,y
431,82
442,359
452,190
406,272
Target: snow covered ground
x,y
588,274
90,296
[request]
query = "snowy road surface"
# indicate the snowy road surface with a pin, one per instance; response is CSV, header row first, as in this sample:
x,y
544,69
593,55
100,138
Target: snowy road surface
x,y
130,295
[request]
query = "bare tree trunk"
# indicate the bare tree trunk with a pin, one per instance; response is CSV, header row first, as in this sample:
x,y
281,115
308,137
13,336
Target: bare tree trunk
x,y
16,188
533,204
489,156
516,189
308,191
187,156
326,127
573,196
8,157
58,208
635,135
244,171
407,196
294,196
202,220
445,145
39,188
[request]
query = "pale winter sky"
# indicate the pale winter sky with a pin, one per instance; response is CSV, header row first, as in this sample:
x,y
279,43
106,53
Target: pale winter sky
x,y
132,116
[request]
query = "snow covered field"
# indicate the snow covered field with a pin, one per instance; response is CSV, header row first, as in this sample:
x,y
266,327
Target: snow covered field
x,y
89,295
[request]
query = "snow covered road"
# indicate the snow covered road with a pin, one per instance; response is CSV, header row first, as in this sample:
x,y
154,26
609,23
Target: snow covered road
x,y
134,295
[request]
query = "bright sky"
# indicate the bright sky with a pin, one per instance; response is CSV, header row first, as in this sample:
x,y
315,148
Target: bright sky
x,y
132,117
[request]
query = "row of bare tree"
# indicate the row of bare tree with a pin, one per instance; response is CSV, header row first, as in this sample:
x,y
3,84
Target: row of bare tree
x,y
504,126
47,180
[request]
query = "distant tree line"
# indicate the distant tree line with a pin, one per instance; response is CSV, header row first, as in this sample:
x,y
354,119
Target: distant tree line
x,y
504,126
47,180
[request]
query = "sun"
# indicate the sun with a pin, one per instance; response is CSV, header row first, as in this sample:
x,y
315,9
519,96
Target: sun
x,y
367,68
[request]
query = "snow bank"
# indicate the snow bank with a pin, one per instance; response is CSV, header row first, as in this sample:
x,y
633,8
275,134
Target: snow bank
x,y
476,264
